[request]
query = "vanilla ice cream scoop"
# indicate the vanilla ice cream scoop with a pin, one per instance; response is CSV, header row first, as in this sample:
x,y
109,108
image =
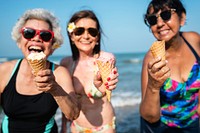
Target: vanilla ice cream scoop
x,y
37,61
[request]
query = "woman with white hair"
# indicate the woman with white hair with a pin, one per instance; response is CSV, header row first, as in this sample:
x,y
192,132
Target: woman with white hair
x,y
30,100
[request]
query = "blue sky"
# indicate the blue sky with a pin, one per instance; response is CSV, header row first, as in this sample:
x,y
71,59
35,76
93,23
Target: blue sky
x,y
121,20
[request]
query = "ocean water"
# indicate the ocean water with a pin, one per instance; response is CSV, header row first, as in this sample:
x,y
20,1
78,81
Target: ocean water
x,y
126,97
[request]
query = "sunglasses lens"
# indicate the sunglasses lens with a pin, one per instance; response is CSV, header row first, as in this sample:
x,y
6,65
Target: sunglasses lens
x,y
93,32
45,36
165,15
28,33
152,20
79,31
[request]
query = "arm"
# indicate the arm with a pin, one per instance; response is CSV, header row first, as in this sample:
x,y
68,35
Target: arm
x,y
59,85
154,74
67,63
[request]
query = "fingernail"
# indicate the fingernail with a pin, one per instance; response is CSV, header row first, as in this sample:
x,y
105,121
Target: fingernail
x,y
89,95
106,83
115,72
108,79
107,87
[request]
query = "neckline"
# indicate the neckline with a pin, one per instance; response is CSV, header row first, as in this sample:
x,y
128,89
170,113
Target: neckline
x,y
188,77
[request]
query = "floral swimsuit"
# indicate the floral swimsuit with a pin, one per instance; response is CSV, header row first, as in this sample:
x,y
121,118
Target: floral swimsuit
x,y
100,129
93,92
179,100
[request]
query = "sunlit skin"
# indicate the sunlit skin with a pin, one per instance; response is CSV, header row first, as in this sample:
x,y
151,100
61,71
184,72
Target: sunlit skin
x,y
84,76
167,30
36,44
85,42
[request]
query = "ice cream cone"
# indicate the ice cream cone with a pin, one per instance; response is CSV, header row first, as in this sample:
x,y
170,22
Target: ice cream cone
x,y
105,68
158,49
37,62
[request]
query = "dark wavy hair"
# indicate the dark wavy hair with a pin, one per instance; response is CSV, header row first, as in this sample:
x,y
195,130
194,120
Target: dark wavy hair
x,y
76,17
164,4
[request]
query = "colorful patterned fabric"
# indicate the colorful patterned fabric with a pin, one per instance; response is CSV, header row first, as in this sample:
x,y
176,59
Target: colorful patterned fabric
x,y
100,129
179,100
93,92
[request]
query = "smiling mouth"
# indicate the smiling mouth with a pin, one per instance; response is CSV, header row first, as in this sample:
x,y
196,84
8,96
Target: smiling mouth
x,y
35,49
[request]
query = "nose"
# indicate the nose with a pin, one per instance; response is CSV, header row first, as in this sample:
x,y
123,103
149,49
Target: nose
x,y
86,34
160,22
37,38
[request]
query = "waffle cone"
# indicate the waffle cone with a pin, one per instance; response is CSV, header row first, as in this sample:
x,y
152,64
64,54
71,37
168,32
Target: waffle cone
x,y
158,49
105,69
37,65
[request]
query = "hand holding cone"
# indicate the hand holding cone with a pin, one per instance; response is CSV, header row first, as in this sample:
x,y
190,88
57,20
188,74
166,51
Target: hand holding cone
x,y
105,68
37,62
158,49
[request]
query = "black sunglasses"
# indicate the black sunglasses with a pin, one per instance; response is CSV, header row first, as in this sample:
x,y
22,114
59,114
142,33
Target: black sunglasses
x,y
29,33
165,15
80,30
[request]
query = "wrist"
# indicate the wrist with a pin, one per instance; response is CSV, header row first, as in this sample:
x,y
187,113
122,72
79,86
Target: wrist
x,y
154,90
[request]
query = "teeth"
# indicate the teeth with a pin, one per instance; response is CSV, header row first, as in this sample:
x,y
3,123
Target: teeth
x,y
85,42
164,32
35,48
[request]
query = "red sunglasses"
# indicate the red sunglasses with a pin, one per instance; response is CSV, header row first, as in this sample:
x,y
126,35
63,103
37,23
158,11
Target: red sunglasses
x,y
29,33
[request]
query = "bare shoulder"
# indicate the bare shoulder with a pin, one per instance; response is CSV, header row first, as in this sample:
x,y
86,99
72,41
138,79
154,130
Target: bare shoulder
x,y
107,54
66,61
59,69
61,73
6,69
194,39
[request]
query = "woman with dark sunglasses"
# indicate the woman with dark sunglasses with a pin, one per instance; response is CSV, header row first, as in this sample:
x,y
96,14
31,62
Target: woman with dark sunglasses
x,y
170,87
30,100
97,113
